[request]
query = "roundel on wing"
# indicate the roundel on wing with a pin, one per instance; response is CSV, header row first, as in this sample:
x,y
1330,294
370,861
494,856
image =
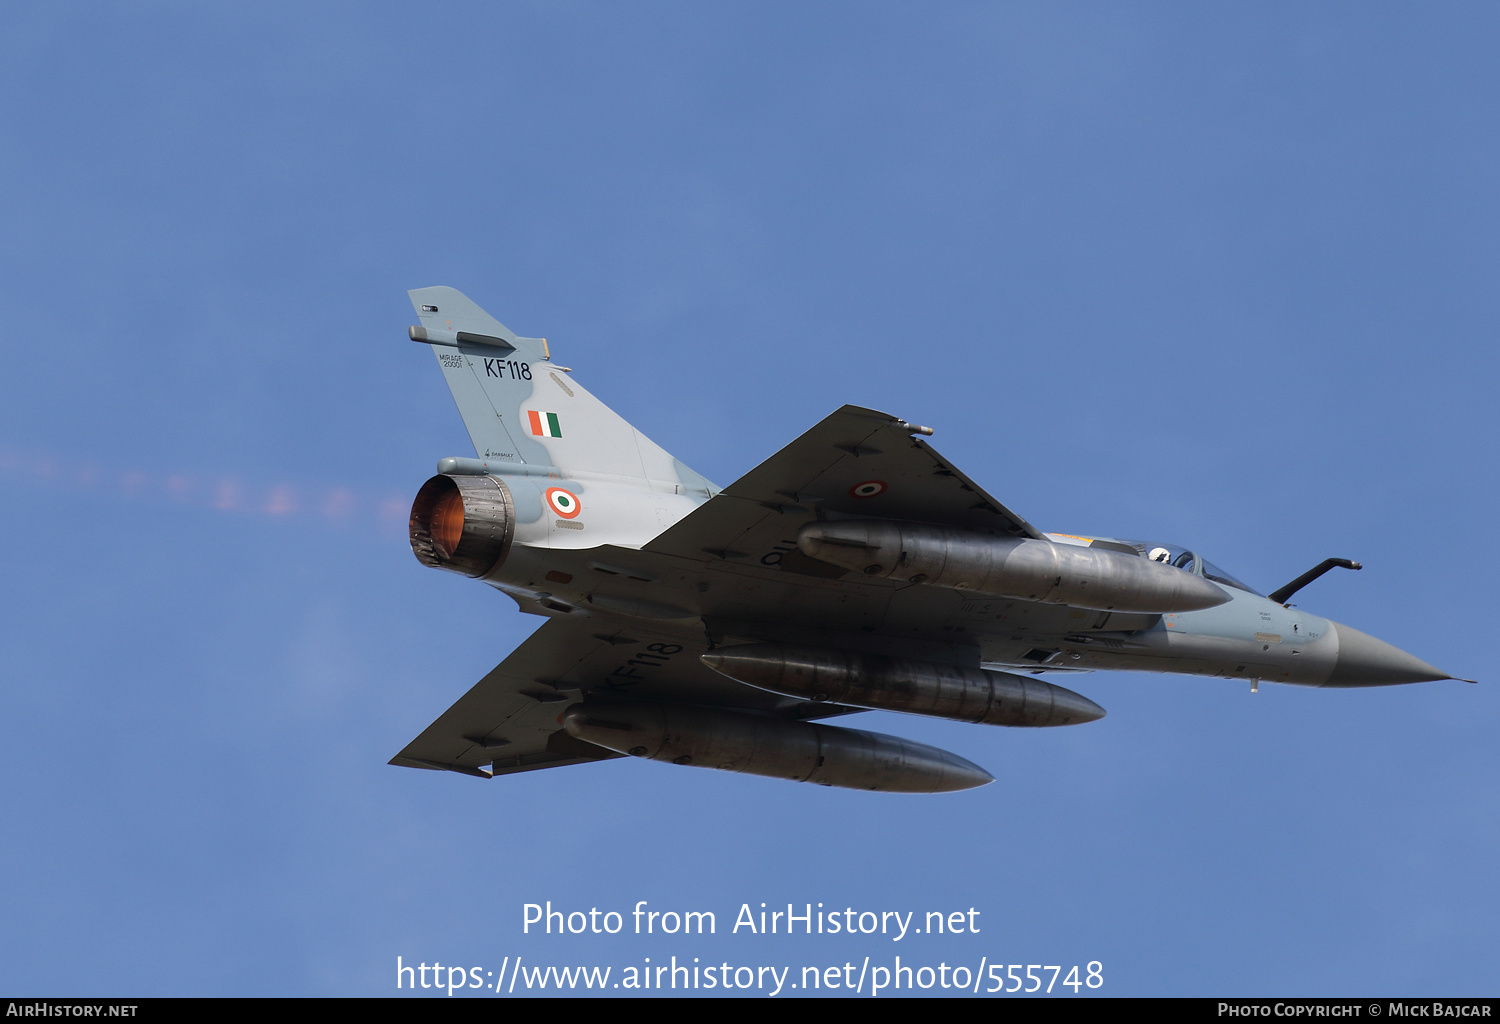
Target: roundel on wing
x,y
563,502
868,489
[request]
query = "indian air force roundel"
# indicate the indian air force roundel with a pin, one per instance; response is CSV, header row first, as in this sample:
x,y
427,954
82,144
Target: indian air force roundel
x,y
564,503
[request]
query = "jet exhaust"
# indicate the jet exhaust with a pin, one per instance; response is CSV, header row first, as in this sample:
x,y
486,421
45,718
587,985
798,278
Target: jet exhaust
x,y
895,684
776,748
463,524
1022,568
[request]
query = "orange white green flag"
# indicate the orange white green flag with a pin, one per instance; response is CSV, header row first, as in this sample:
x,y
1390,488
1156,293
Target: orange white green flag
x,y
545,424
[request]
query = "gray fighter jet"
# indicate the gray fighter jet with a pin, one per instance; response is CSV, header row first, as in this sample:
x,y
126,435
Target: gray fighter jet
x,y
854,569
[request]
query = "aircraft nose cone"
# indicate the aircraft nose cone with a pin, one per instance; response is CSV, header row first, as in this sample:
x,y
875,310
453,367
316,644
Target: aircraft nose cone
x,y
1366,661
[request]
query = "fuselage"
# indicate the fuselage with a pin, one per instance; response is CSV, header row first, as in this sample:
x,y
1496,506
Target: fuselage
x,y
854,569
1252,637
577,549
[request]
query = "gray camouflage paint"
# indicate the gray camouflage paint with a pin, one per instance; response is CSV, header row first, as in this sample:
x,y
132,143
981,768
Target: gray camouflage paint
x,y
639,581
600,458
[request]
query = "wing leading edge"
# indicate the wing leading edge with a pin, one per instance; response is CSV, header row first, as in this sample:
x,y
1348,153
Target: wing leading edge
x,y
856,461
509,720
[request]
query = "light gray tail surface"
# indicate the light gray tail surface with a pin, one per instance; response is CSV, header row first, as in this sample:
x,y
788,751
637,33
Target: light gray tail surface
x,y
521,409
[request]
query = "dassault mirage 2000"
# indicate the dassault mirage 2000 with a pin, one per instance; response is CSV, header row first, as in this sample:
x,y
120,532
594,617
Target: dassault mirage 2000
x,y
855,569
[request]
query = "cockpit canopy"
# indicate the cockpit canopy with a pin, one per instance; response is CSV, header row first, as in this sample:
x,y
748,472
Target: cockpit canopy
x,y
1172,554
1189,561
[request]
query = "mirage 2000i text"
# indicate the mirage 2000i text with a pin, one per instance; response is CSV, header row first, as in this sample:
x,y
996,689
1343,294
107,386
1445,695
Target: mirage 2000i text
x,y
855,569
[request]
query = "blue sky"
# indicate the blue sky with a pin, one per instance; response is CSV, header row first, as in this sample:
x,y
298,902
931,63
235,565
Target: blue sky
x,y
1222,276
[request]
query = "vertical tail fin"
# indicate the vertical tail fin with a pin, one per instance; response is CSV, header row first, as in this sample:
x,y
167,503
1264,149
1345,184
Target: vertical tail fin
x,y
521,409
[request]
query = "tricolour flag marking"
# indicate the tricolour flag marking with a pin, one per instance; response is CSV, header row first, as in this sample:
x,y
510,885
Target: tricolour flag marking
x,y
545,424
